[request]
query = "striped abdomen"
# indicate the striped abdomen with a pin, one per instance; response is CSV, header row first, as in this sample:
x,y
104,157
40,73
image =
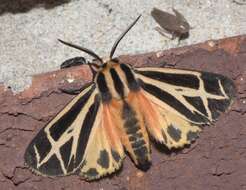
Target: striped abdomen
x,y
117,82
137,143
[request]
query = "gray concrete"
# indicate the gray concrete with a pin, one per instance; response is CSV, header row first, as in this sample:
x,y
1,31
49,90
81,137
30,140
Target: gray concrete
x,y
28,41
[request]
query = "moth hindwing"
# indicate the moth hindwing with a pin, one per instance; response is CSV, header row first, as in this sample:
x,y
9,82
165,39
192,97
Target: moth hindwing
x,y
119,110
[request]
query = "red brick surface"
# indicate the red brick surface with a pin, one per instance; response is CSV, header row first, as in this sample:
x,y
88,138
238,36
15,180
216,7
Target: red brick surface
x,y
217,160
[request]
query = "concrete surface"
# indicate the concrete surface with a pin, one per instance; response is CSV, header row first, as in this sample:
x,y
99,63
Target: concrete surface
x,y
29,30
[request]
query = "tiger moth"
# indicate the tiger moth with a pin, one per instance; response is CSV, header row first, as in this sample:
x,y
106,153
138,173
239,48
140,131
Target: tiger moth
x,y
120,111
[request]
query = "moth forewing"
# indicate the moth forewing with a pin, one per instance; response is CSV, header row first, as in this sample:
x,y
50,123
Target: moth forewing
x,y
186,100
191,88
104,152
53,151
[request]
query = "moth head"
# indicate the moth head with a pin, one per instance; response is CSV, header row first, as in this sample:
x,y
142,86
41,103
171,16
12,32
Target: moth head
x,y
98,61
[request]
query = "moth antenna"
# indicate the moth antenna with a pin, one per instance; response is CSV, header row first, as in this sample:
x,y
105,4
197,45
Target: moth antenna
x,y
90,52
121,36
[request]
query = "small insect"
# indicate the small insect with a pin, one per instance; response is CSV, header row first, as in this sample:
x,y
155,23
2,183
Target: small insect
x,y
120,110
176,25
239,2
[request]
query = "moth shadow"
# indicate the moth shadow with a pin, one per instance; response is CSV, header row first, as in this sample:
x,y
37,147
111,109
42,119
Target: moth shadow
x,y
20,6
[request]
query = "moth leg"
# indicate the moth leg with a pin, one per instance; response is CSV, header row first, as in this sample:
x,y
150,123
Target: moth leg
x,y
165,33
76,61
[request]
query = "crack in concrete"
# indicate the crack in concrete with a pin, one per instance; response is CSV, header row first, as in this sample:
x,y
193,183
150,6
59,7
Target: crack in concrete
x,y
43,94
12,179
221,174
5,145
16,114
18,129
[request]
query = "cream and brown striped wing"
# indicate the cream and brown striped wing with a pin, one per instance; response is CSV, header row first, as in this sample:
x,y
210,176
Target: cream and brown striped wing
x,y
176,103
77,140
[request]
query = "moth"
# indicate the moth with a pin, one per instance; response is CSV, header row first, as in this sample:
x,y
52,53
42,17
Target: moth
x,y
121,110
176,25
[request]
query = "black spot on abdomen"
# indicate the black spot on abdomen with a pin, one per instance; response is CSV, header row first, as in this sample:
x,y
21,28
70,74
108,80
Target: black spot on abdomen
x,y
142,157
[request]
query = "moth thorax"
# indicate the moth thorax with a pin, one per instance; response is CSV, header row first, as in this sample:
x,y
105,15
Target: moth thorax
x,y
111,81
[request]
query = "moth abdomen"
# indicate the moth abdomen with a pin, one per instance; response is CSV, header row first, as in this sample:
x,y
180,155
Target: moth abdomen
x,y
138,145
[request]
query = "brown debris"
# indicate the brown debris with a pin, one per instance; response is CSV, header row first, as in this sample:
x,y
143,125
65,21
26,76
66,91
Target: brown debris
x,y
217,160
